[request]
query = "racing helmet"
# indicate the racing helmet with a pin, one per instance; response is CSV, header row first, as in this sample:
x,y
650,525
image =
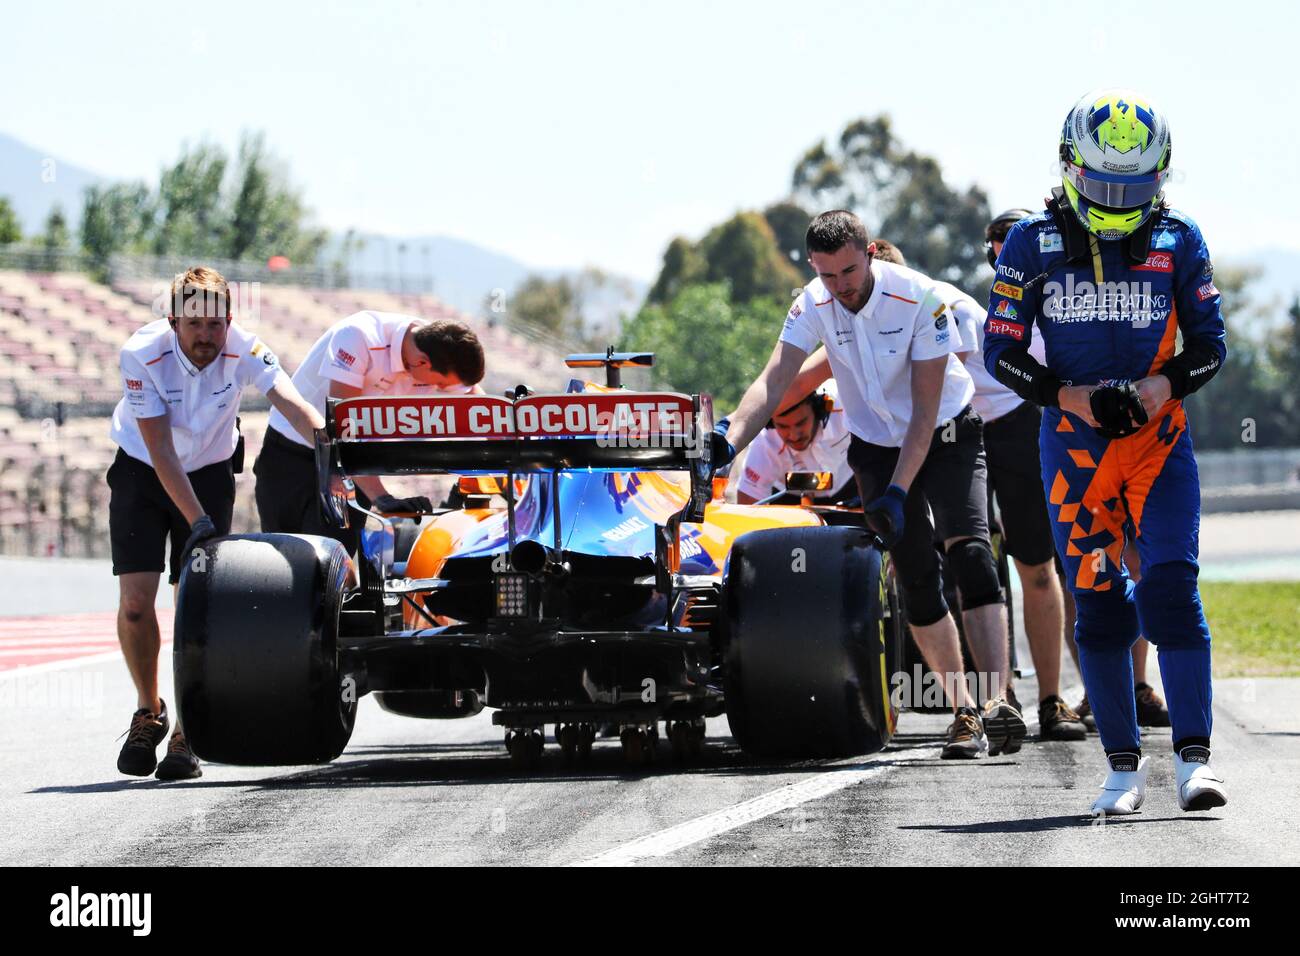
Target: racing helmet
x,y
1114,159
997,229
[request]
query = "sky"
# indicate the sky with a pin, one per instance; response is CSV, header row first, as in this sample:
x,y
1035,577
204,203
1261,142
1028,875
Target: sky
x,y
569,134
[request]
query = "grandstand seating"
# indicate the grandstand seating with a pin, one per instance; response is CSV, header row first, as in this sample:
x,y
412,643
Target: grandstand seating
x,y
60,335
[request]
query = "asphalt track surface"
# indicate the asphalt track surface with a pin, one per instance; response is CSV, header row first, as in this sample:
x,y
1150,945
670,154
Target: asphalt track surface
x,y
443,792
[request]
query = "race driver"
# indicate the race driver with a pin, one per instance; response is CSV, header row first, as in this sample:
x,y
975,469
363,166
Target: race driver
x,y
915,449
809,435
369,353
174,475
1151,711
1111,276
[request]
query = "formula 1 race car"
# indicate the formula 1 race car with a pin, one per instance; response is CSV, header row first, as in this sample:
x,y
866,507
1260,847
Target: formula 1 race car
x,y
606,587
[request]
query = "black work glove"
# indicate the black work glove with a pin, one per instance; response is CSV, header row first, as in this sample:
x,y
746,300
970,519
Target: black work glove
x,y
201,530
884,516
387,504
721,452
1118,410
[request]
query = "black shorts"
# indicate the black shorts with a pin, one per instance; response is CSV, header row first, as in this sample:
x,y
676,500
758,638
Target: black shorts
x,y
287,500
141,515
951,484
1011,446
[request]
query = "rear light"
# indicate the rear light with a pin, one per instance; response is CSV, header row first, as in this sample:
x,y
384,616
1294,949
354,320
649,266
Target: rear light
x,y
512,595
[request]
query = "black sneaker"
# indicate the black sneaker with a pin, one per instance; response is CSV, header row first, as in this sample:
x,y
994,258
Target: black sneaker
x,y
1151,709
1056,721
146,732
966,737
180,762
1004,726
1084,710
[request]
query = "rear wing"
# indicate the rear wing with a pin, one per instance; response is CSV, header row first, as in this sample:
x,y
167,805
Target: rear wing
x,y
442,434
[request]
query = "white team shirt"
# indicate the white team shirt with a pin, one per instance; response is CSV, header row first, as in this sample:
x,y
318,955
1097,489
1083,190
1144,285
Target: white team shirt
x,y
364,351
200,404
770,458
992,398
871,351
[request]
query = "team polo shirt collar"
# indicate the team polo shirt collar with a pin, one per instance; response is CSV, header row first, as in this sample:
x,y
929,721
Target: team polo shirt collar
x,y
395,363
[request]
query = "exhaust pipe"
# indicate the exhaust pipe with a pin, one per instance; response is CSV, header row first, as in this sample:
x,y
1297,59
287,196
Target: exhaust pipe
x,y
533,557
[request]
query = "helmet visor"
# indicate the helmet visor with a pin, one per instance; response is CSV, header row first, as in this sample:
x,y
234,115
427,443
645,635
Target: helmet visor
x,y
1112,189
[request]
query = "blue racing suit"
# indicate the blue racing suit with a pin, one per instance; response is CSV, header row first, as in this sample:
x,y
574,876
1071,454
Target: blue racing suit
x,y
1109,313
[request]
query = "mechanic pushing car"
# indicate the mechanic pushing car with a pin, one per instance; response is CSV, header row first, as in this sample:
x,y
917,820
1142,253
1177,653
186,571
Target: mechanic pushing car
x,y
1011,449
808,435
1111,275
1013,437
173,477
916,447
369,353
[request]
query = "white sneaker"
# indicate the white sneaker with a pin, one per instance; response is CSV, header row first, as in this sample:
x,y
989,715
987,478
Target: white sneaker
x,y
1125,786
1199,787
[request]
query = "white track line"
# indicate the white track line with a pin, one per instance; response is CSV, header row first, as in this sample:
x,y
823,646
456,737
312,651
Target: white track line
x,y
661,844
60,665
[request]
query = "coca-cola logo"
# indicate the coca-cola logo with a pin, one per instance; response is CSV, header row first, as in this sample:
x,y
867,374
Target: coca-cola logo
x,y
1157,262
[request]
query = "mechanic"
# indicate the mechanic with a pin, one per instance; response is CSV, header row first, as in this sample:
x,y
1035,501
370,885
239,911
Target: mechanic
x,y
174,475
1151,710
809,435
1011,448
915,448
369,353
1111,276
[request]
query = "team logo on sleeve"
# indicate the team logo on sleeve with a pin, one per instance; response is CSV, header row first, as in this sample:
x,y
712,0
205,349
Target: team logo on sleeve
x,y
1009,290
347,358
268,357
1207,291
135,384
1006,310
796,310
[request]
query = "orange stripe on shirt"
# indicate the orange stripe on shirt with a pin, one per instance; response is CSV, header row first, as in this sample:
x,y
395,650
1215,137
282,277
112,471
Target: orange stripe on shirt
x,y
900,298
1166,350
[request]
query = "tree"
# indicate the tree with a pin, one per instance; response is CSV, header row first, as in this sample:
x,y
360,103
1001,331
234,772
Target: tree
x,y
683,266
115,218
706,342
267,215
55,237
191,219
10,229
789,222
742,252
900,195
548,304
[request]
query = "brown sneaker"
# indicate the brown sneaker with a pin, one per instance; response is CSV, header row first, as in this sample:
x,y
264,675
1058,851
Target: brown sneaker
x,y
180,762
1084,710
1151,709
1056,721
146,732
966,737
1004,726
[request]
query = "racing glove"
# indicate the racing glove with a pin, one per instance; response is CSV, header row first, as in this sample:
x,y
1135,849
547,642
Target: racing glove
x,y
387,504
885,515
1118,410
200,531
721,452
